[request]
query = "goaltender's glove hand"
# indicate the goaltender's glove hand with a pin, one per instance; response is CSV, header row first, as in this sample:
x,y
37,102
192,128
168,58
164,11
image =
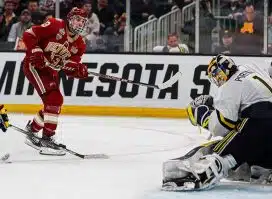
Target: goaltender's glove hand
x,y
4,121
36,58
202,100
199,110
199,115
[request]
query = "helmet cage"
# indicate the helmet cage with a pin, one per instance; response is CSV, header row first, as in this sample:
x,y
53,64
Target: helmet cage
x,y
80,30
218,76
220,69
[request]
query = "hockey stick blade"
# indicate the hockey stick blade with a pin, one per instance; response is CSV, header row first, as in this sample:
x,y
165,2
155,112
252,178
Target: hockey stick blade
x,y
171,81
63,147
96,156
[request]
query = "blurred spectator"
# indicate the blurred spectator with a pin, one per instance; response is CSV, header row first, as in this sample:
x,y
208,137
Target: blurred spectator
x,y
226,43
161,7
93,27
105,13
120,24
173,45
249,37
119,6
270,35
18,28
140,11
206,25
47,5
7,19
33,6
232,9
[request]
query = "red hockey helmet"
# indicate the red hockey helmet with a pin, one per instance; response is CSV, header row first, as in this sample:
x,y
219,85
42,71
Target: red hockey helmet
x,y
77,20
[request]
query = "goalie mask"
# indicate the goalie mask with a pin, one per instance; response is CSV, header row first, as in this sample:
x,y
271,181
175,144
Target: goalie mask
x,y
77,21
220,69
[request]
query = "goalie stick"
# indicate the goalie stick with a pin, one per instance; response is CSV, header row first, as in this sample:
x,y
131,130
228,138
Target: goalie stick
x,y
164,85
63,147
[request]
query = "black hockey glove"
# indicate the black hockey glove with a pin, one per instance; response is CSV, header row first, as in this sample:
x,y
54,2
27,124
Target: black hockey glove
x,y
199,115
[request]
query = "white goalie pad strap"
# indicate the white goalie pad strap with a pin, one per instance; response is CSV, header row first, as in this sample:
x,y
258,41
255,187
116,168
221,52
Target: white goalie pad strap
x,y
50,118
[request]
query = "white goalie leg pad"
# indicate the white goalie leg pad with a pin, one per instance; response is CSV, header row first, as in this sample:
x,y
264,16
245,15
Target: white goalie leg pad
x,y
202,173
179,168
173,169
212,168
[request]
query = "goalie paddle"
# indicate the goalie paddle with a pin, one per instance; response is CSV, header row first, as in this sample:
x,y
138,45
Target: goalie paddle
x,y
164,85
63,147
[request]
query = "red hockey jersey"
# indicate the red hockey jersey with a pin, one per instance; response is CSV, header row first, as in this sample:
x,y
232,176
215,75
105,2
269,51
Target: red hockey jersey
x,y
58,47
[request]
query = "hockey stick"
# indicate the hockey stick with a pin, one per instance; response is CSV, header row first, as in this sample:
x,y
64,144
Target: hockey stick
x,y
164,85
61,146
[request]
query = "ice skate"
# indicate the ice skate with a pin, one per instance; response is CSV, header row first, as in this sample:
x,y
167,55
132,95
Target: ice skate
x,y
30,139
50,147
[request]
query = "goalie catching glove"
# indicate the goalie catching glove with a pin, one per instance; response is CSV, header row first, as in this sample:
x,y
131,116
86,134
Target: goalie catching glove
x,y
4,121
199,110
202,100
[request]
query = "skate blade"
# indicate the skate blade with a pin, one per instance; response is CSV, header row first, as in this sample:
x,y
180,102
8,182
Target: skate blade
x,y
47,151
32,145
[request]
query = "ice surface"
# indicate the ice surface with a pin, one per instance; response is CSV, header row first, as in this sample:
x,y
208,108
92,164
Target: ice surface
x,y
137,147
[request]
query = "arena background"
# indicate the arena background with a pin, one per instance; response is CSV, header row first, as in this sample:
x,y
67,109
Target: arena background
x,y
134,44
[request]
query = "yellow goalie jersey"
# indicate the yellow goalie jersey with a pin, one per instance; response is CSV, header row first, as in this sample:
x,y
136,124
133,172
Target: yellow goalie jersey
x,y
247,94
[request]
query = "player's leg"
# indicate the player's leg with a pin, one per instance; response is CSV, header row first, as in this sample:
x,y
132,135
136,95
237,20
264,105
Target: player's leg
x,y
46,84
53,101
39,80
251,144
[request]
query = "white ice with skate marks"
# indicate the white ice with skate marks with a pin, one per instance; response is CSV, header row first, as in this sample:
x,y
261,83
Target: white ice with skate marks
x,y
137,147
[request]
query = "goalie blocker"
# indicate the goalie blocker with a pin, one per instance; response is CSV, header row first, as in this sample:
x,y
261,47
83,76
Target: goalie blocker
x,y
241,114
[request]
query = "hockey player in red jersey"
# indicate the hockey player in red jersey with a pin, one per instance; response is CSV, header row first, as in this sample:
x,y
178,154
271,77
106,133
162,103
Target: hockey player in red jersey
x,y
53,46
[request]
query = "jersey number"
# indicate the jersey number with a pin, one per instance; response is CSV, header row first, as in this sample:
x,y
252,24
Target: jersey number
x,y
263,82
47,23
